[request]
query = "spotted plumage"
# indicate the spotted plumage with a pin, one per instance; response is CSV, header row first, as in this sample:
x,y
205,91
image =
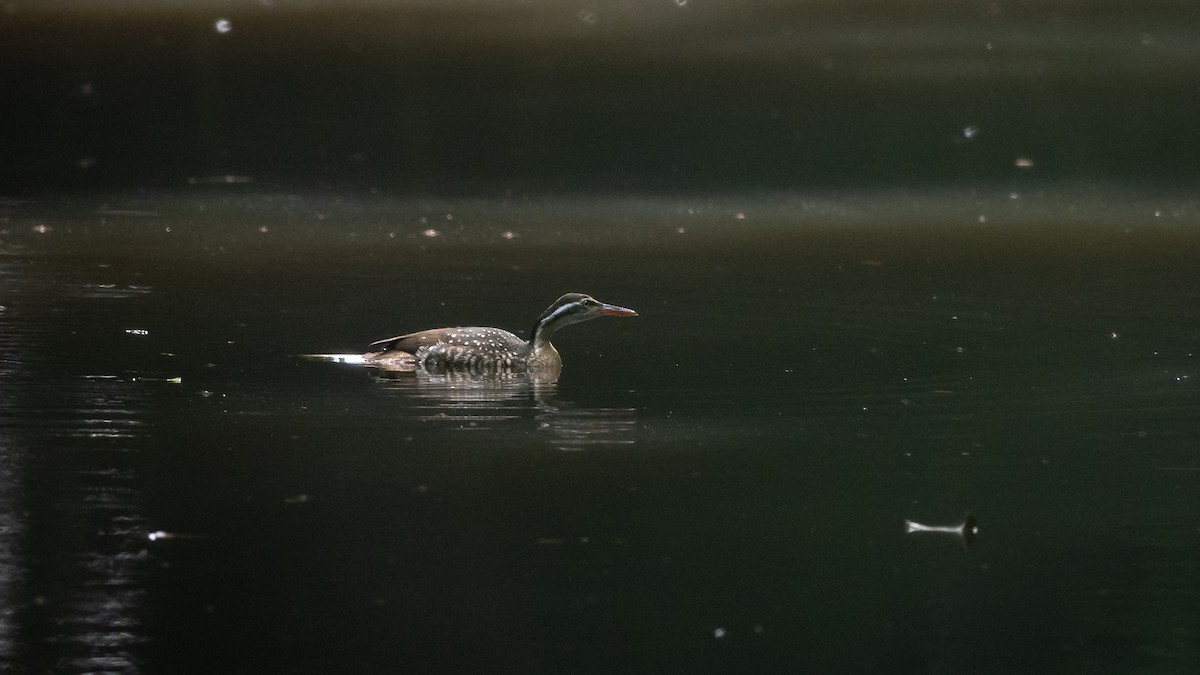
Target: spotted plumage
x,y
480,349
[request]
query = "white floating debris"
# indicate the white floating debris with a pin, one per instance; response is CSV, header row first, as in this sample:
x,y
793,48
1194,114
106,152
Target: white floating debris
x,y
160,535
966,530
223,26
1023,163
137,331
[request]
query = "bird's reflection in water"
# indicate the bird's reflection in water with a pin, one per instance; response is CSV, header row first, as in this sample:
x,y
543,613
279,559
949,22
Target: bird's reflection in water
x,y
484,401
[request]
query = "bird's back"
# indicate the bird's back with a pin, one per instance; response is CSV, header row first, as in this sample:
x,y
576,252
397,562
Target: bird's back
x,y
470,345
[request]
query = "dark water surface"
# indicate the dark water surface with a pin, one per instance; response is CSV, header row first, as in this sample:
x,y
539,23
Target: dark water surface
x,y
719,485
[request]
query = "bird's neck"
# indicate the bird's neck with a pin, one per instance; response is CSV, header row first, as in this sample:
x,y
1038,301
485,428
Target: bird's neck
x,y
542,333
544,355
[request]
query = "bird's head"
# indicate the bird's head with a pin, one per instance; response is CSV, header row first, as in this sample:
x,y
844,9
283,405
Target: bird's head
x,y
573,308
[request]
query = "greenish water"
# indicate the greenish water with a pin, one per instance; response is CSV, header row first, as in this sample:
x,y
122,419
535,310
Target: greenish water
x,y
719,485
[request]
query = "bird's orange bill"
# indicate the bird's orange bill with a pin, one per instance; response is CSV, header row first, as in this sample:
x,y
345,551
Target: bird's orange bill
x,y
613,310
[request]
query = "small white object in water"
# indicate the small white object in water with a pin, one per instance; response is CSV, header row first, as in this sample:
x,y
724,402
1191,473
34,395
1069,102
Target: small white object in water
x,y
967,530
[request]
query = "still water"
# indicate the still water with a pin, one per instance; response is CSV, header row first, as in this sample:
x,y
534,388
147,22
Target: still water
x,y
719,485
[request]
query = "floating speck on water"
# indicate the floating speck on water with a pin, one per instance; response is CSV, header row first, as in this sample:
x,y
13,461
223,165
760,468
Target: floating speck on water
x,y
719,633
431,233
970,132
508,234
263,229
137,331
739,216
42,228
1023,163
223,26
1114,335
587,17
680,230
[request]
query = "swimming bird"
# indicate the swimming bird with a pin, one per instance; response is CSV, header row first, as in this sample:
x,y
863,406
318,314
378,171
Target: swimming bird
x,y
480,349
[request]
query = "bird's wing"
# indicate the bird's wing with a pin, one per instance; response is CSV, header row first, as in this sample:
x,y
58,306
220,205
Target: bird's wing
x,y
409,343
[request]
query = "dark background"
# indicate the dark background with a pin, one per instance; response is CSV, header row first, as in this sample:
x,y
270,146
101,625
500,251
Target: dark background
x,y
665,96
893,261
